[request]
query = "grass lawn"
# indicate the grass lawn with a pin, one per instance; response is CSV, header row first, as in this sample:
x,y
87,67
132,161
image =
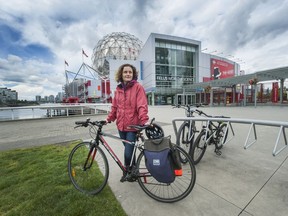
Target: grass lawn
x,y
34,181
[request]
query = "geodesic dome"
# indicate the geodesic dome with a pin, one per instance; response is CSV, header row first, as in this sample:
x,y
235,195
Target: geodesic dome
x,y
117,45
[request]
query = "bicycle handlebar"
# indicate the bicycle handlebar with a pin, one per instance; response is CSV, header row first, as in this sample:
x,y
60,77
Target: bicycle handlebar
x,y
190,110
187,106
87,122
202,113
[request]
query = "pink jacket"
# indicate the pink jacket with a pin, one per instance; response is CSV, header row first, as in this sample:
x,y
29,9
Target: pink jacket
x,y
129,106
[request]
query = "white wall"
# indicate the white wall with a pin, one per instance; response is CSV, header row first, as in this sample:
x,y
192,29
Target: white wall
x,y
204,67
147,56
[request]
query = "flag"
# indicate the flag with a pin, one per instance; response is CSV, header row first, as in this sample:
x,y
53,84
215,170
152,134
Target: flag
x,y
66,63
84,53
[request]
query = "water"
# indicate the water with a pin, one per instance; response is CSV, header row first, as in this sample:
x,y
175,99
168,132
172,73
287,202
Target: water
x,y
22,114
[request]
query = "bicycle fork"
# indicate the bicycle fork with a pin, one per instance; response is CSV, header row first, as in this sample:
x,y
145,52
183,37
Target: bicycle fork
x,y
211,139
90,157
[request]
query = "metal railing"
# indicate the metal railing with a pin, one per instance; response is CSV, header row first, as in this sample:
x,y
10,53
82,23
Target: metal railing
x,y
253,122
54,109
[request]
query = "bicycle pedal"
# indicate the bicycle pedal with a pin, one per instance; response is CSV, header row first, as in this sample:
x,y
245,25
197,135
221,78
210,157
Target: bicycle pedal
x,y
218,152
130,178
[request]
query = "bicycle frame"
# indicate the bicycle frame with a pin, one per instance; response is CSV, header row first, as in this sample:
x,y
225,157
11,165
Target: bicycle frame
x,y
189,113
100,137
211,127
191,132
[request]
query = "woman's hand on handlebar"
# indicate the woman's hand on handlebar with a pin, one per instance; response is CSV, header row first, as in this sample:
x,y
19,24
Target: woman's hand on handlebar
x,y
105,122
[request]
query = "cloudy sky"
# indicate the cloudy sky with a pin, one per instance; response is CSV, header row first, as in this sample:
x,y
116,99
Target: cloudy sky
x,y
37,36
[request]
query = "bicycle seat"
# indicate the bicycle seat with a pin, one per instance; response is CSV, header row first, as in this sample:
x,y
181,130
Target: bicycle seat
x,y
138,127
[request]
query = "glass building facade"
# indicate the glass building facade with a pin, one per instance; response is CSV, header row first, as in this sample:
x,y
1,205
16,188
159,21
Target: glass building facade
x,y
174,64
170,68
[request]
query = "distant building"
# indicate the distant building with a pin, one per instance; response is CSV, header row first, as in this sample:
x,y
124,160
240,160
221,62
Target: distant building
x,y
8,95
38,98
51,99
59,97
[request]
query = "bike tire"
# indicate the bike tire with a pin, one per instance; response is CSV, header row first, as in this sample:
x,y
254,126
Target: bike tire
x,y
94,178
221,137
182,138
199,147
163,192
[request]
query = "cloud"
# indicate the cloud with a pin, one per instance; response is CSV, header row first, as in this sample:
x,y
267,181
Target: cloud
x,y
30,76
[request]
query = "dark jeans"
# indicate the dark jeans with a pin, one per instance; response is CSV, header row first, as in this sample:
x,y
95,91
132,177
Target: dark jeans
x,y
129,136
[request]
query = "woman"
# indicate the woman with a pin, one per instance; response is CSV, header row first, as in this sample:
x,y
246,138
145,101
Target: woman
x,y
129,107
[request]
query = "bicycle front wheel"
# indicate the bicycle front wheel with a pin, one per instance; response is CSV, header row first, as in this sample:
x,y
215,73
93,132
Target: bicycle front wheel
x,y
199,147
221,135
163,192
183,139
88,168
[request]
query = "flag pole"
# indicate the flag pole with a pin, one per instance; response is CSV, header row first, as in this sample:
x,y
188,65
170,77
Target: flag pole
x,y
84,75
84,65
82,56
67,81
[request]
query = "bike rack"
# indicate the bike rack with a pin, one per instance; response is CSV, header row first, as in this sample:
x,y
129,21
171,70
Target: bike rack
x,y
231,128
252,122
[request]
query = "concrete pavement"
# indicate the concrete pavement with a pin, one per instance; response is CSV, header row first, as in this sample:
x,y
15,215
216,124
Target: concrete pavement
x,y
239,182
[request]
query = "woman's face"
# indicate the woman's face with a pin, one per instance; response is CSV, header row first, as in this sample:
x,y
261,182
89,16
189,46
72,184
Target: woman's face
x,y
127,74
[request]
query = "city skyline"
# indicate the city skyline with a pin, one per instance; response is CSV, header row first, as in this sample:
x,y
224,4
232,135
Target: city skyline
x,y
38,38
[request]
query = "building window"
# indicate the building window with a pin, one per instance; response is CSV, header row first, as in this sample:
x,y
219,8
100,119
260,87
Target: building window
x,y
174,64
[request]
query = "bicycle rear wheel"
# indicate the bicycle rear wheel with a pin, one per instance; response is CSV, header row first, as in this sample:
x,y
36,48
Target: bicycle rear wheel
x,y
164,192
182,138
199,147
88,168
221,136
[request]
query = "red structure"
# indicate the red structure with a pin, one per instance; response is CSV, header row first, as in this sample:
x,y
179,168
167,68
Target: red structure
x,y
274,92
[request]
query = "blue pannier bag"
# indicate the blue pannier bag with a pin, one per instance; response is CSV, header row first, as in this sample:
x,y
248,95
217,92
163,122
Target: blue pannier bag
x,y
158,159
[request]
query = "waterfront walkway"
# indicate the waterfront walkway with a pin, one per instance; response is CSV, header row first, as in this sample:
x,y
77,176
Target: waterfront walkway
x,y
239,182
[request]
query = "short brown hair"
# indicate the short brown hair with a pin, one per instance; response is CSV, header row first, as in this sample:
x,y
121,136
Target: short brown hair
x,y
118,75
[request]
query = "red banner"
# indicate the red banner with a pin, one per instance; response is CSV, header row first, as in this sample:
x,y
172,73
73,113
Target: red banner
x,y
221,69
206,79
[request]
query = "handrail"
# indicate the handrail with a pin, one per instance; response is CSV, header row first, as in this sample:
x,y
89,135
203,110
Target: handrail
x,y
51,107
252,122
56,106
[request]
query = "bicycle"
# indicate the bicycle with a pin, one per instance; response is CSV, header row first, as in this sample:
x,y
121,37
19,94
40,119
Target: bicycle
x,y
211,133
187,130
88,166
